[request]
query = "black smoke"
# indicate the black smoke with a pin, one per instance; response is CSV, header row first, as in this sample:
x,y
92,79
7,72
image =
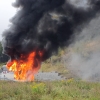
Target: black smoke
x,y
45,25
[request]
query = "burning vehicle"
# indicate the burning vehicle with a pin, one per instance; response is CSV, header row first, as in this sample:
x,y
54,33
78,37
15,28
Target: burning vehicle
x,y
39,28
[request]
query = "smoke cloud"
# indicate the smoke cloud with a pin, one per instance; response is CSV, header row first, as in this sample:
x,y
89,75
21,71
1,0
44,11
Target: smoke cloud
x,y
46,25
83,55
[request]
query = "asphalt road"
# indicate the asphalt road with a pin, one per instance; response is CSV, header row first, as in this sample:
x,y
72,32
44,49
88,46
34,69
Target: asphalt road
x,y
41,76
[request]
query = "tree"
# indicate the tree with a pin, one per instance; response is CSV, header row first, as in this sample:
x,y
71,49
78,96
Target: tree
x,y
3,58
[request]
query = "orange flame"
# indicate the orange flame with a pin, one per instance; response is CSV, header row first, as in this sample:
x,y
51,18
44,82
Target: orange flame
x,y
24,69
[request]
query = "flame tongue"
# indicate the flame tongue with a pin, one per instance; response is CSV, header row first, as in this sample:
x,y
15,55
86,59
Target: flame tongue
x,y
25,68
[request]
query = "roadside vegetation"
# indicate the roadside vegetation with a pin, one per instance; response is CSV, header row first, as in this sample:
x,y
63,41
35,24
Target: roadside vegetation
x,y
56,90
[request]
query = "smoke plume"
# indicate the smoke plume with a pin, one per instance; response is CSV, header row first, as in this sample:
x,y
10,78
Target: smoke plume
x,y
83,55
46,25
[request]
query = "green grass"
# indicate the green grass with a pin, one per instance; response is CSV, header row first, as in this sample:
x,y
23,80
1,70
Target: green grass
x,y
57,90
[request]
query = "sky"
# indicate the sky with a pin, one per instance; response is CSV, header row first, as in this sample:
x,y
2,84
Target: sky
x,y
7,11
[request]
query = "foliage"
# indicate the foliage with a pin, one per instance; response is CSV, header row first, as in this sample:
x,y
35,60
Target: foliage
x,y
57,90
1,49
38,88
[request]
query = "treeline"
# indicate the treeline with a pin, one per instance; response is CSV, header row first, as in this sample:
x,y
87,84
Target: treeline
x,y
3,58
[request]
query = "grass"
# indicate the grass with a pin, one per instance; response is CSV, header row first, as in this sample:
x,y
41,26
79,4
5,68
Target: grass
x,y
58,67
1,64
56,90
